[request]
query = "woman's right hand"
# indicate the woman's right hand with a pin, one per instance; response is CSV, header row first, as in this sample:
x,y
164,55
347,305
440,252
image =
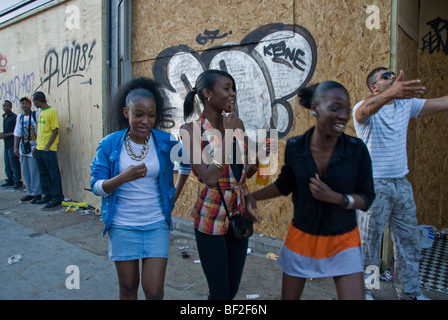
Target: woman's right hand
x,y
134,172
231,121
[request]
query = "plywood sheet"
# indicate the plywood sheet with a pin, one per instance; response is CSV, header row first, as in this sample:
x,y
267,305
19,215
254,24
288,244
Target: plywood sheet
x,y
345,51
65,62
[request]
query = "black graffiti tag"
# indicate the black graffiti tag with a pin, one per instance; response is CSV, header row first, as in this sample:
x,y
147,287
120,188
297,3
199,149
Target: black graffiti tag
x,y
210,35
69,63
280,50
437,39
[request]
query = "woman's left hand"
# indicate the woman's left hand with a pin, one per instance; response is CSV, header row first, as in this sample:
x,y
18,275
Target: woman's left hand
x,y
251,208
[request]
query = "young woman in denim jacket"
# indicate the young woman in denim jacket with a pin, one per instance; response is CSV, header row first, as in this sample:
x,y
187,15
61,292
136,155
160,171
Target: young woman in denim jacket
x,y
133,172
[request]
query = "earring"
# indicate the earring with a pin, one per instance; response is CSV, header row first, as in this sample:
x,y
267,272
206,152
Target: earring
x,y
314,114
208,99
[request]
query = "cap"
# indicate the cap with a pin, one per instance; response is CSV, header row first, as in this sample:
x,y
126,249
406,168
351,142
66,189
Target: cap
x,y
25,98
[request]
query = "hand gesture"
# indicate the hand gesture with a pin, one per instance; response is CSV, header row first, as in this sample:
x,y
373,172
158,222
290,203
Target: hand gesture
x,y
134,172
321,191
251,208
400,89
231,121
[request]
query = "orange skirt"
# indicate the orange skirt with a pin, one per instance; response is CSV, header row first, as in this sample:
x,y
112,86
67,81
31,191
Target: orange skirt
x,y
313,256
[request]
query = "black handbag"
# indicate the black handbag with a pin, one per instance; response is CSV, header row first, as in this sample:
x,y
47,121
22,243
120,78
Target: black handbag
x,y
26,146
240,227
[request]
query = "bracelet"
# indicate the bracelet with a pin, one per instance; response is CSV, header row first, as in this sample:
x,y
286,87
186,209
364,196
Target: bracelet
x,y
217,165
349,201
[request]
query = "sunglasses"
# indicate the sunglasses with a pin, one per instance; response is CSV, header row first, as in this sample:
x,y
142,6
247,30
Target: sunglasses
x,y
386,76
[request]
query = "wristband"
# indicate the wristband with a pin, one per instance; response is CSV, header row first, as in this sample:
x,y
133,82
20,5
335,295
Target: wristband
x,y
349,201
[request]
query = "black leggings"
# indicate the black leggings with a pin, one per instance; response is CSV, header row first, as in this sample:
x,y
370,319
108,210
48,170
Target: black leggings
x,y
222,259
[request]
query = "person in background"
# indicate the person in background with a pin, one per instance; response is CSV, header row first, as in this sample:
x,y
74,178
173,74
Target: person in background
x,y
381,121
133,172
330,176
46,152
26,132
12,162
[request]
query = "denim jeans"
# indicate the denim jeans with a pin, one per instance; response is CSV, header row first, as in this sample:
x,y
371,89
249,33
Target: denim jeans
x,y
50,177
12,167
394,205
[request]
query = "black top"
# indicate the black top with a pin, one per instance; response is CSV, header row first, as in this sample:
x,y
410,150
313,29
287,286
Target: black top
x,y
9,123
349,171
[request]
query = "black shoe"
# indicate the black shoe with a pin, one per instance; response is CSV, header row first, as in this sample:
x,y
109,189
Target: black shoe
x,y
27,198
18,186
36,198
53,204
43,200
8,184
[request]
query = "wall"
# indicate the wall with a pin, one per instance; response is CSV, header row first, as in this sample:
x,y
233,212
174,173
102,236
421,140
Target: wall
x,y
50,52
431,154
421,56
272,48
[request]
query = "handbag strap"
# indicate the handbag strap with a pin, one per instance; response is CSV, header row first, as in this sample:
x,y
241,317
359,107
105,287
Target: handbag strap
x,y
29,125
223,200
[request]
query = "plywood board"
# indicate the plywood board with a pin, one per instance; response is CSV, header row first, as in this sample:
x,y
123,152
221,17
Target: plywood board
x,y
165,47
65,62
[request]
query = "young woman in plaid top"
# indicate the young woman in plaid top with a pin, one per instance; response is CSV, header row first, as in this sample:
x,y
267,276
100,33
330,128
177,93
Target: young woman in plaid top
x,y
222,256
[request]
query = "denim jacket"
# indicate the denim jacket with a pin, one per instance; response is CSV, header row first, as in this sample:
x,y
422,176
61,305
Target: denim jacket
x,y
106,163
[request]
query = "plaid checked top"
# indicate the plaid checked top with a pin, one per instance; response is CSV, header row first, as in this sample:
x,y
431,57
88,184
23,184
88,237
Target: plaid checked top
x,y
209,214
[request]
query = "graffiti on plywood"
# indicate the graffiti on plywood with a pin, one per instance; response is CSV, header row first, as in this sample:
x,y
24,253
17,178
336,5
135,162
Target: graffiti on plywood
x,y
269,66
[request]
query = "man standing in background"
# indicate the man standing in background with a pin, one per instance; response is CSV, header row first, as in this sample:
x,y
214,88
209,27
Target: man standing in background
x,y
46,152
25,133
12,163
381,121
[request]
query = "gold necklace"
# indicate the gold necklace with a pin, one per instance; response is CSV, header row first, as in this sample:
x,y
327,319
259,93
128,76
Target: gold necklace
x,y
128,147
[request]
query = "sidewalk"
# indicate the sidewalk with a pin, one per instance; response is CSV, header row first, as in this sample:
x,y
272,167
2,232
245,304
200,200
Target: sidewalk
x,y
50,241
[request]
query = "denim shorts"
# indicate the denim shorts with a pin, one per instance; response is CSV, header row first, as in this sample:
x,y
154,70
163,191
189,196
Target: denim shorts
x,y
139,242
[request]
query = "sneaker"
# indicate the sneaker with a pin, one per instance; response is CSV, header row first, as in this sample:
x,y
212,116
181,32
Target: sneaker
x,y
419,297
8,184
18,186
36,198
43,200
53,204
27,198
368,296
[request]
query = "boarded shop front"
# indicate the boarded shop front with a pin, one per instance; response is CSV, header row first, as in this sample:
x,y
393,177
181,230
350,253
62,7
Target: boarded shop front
x,y
271,48
57,49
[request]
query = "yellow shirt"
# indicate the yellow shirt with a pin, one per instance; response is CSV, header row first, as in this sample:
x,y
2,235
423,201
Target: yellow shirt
x,y
48,121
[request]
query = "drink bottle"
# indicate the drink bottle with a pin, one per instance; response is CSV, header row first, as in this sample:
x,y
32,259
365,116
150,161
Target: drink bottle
x,y
263,171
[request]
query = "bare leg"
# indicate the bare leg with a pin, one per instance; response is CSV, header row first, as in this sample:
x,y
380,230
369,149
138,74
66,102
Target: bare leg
x,y
350,287
128,279
153,277
292,287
